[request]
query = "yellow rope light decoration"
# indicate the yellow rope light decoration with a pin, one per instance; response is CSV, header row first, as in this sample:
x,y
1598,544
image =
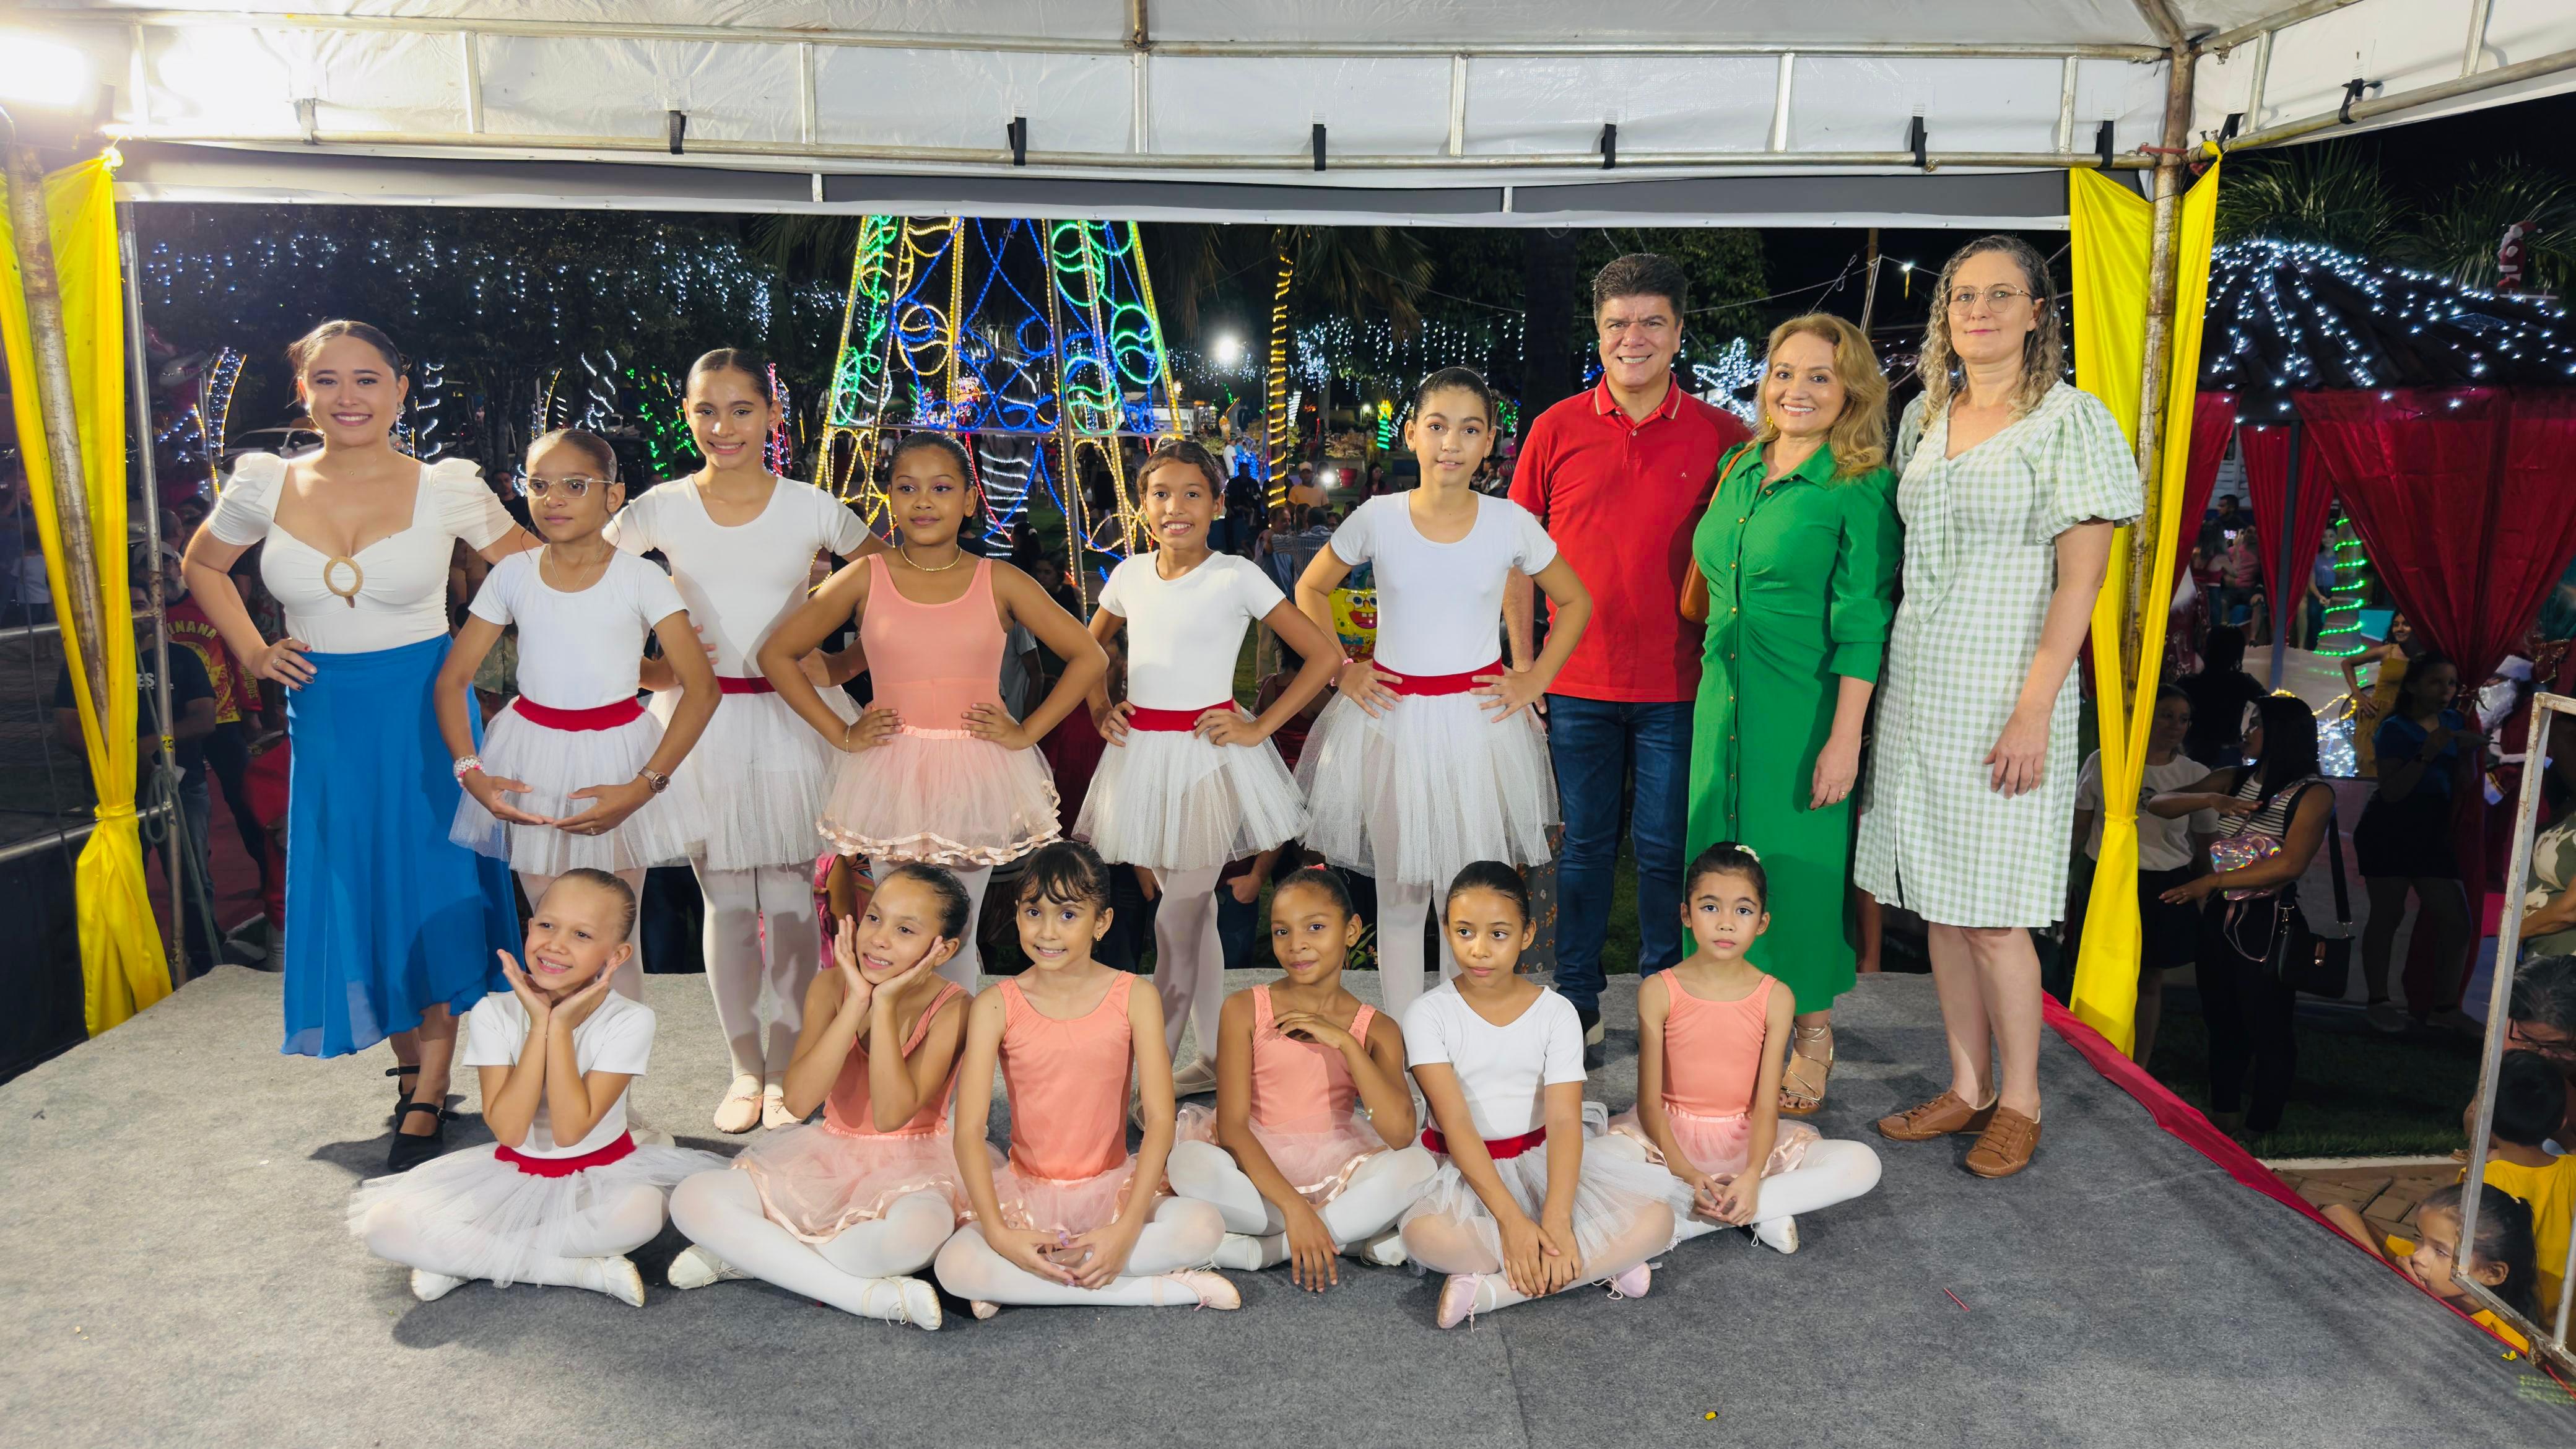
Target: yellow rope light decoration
x,y
1281,428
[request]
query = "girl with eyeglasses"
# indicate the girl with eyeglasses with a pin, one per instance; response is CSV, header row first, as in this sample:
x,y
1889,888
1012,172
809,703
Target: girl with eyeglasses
x,y
2010,482
572,774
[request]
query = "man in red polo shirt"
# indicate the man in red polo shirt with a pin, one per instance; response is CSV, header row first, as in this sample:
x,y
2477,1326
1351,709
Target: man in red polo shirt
x,y
1619,476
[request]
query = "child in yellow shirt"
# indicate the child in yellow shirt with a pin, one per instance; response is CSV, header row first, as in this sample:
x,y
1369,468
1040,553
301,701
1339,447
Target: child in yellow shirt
x,y
2530,1108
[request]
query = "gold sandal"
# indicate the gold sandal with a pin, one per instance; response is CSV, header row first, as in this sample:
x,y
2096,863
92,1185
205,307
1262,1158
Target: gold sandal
x,y
1795,1087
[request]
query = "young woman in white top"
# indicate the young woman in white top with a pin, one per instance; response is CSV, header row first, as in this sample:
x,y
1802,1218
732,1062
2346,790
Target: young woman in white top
x,y
1191,783
741,543
1431,758
1520,1207
382,909
566,1193
574,772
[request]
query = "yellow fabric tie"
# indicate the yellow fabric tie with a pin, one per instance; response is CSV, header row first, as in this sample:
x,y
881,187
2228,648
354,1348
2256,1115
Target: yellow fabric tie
x,y
122,968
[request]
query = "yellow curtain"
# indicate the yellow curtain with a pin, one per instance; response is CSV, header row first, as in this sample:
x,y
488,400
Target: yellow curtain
x,y
2113,234
121,962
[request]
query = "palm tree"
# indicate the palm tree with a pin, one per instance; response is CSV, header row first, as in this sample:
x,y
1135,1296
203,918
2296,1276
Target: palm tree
x,y
2458,237
2334,194
1364,273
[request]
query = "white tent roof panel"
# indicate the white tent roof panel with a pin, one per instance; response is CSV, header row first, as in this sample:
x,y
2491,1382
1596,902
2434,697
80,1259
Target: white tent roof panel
x,y
1462,111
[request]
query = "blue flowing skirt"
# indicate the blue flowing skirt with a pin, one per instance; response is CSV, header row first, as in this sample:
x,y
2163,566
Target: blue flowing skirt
x,y
385,916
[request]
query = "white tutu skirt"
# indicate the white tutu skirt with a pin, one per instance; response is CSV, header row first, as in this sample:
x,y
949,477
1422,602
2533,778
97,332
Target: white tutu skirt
x,y
1418,793
816,1182
1718,1145
554,763
943,796
754,782
1612,1191
1170,800
1063,1205
1317,1163
491,1221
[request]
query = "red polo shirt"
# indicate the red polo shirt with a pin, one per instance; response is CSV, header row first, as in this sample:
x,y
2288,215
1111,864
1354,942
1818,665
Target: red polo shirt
x,y
1621,498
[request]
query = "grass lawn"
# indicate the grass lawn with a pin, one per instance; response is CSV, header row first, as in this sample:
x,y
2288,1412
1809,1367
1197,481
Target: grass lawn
x,y
2357,1093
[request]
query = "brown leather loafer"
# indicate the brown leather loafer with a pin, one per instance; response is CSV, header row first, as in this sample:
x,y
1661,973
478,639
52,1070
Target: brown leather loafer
x,y
2006,1145
1940,1117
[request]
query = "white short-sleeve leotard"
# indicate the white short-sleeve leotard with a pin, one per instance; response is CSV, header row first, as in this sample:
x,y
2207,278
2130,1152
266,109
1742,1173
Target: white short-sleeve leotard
x,y
617,1036
739,580
1440,605
1184,634
1504,1071
578,650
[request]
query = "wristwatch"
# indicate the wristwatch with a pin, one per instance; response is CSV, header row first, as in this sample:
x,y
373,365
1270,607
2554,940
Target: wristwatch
x,y
655,779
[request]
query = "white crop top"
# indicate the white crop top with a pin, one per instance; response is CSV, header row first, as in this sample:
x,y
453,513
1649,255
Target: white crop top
x,y
402,578
579,650
1184,634
617,1036
738,581
1503,1070
1440,605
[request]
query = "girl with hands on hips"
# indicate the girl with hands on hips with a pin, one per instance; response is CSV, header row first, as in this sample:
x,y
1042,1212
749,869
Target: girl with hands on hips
x,y
1521,1204
1071,1216
936,770
1302,1174
1432,757
1190,782
851,1209
573,773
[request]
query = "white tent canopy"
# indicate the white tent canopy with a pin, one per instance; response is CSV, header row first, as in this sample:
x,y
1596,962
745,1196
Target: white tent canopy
x,y
1464,112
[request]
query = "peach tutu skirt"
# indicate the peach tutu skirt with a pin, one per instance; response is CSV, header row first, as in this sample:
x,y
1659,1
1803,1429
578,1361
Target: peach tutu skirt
x,y
816,1182
943,796
1317,1163
1063,1205
1716,1145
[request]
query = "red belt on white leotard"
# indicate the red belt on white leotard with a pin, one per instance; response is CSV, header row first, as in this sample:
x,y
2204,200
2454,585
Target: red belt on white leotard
x,y
1170,719
1439,683
567,1166
605,717
745,684
1501,1149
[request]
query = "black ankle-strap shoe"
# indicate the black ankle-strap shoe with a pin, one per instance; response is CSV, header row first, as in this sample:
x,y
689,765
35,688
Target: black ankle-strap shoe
x,y
410,1152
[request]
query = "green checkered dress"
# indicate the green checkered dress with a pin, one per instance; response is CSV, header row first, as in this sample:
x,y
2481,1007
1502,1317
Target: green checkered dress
x,y
1980,562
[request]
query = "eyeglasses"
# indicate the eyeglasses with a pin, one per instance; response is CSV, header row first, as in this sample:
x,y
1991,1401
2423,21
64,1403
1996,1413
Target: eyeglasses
x,y
576,486
1997,297
2518,1034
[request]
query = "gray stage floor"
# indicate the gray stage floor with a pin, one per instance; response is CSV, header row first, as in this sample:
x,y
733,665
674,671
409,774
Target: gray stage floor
x,y
177,1274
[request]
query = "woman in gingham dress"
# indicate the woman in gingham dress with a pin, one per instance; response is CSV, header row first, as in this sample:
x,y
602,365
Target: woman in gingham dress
x,y
2012,480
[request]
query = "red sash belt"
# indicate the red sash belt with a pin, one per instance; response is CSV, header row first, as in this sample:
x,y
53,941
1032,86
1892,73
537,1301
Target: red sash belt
x,y
606,717
1501,1149
1170,719
567,1166
1439,683
736,684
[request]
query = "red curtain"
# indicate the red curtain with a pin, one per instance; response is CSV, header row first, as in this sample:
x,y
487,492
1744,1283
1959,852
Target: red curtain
x,y
2464,499
2213,423
2267,477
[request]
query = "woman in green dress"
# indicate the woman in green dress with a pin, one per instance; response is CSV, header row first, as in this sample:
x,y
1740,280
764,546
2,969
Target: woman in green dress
x,y
1799,547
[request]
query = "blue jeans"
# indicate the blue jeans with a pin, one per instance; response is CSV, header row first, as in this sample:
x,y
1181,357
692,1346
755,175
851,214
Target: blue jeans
x,y
1612,760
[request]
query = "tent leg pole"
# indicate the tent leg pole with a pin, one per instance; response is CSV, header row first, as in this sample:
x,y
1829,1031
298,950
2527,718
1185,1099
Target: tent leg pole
x,y
2293,592
32,231
2146,593
138,382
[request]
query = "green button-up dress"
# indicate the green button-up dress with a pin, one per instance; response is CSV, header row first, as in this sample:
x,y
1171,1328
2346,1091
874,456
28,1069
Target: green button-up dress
x,y
1801,584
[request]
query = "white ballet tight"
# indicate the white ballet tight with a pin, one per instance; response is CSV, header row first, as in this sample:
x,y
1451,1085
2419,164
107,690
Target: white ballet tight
x,y
1378,1193
1402,907
720,1212
962,967
626,980
1445,1245
1184,1234
738,967
394,1232
1189,961
1832,1171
